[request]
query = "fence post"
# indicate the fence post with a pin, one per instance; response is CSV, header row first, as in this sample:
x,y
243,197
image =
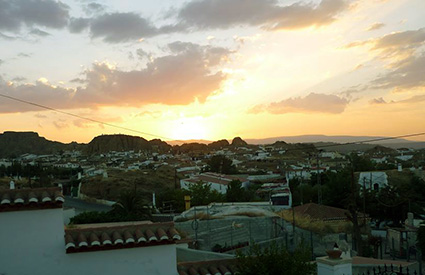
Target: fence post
x,y
407,247
250,234
380,246
392,248
311,244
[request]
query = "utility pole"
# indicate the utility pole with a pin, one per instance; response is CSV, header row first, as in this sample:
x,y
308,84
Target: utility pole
x,y
353,213
364,200
319,191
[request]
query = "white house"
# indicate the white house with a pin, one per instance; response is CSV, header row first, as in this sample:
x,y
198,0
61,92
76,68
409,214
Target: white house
x,y
218,182
33,240
373,180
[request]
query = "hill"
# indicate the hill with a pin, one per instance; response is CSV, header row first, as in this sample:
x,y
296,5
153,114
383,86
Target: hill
x,y
13,144
107,143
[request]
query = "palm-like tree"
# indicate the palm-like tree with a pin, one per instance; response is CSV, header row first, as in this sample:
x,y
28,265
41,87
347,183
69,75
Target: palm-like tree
x,y
132,205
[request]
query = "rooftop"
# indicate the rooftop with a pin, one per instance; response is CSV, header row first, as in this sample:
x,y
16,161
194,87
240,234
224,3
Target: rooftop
x,y
30,199
97,237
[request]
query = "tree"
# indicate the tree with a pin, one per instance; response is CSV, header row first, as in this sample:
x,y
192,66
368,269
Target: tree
x,y
337,188
202,194
132,205
235,192
360,163
275,259
221,164
421,239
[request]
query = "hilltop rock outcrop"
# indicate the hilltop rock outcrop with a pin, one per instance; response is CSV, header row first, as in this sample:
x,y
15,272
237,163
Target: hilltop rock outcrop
x,y
106,143
238,142
219,144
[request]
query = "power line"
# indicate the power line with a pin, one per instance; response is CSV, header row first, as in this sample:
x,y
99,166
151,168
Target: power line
x,y
358,142
81,117
163,137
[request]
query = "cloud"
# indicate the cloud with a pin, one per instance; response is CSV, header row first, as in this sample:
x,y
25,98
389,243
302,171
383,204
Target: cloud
x,y
8,37
223,14
400,44
121,27
44,13
312,103
60,124
188,73
404,51
1,61
40,116
375,26
93,8
38,32
397,45
411,100
142,54
407,75
379,100
77,25
19,78
24,55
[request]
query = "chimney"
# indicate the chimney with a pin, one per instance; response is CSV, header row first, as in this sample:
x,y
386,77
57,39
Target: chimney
x,y
153,200
410,219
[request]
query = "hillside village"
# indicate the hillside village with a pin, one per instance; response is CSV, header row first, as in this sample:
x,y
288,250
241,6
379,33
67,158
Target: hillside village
x,y
210,200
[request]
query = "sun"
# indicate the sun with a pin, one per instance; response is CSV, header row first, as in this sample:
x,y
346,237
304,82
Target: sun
x,y
189,128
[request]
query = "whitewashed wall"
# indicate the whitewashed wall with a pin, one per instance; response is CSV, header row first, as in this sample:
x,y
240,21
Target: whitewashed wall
x,y
32,242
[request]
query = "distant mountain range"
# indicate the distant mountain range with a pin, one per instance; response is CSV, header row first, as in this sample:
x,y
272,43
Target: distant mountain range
x,y
323,140
13,144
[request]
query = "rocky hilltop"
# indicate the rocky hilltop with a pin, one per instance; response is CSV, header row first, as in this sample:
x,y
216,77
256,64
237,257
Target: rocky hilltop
x,y
238,142
107,143
13,144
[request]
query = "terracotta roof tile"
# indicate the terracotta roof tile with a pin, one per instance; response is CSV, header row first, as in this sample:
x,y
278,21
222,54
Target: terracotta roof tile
x,y
29,199
119,235
214,267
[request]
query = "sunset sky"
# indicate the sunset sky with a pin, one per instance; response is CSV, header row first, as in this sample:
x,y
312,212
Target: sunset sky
x,y
213,69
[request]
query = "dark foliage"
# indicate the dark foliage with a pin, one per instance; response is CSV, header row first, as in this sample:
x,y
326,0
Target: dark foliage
x,y
275,260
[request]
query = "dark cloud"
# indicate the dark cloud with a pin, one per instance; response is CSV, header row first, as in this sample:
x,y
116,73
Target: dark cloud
x,y
175,79
375,26
121,27
210,14
44,13
312,103
93,8
77,25
38,32
141,54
